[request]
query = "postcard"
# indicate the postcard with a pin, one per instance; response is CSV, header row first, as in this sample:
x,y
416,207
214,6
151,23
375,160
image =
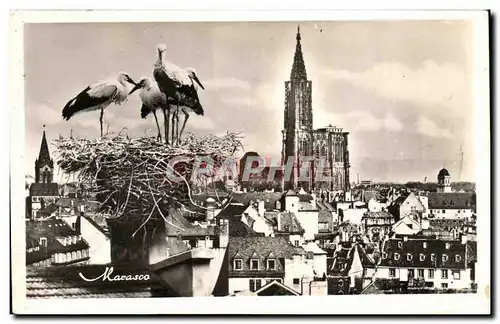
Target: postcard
x,y
288,159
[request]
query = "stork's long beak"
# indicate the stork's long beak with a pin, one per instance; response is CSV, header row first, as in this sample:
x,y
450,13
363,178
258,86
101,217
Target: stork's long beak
x,y
130,80
195,78
137,86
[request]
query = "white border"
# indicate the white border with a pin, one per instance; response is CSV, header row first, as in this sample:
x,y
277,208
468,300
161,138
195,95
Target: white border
x,y
375,304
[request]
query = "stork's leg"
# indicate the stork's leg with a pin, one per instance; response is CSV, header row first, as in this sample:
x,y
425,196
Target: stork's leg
x,y
186,117
100,119
157,125
167,122
173,127
177,124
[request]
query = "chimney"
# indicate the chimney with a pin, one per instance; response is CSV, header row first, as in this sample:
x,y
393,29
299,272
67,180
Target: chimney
x,y
405,238
223,233
261,208
210,213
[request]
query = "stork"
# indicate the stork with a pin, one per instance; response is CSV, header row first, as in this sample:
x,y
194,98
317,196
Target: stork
x,y
99,96
178,84
152,99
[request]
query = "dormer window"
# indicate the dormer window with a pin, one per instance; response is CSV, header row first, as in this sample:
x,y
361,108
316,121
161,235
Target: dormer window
x,y
271,264
445,257
43,241
433,257
400,245
396,256
384,255
447,246
238,264
458,258
254,264
409,257
422,257
425,245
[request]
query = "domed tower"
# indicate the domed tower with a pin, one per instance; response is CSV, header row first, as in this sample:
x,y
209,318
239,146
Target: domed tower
x,y
444,181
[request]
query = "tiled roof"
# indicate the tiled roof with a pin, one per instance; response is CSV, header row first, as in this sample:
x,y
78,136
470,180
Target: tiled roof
x,y
287,220
378,214
245,247
65,282
44,189
231,211
239,229
306,197
48,210
325,216
369,194
269,198
50,229
412,253
274,288
451,200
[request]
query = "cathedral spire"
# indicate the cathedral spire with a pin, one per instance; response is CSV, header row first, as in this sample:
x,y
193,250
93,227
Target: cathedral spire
x,y
298,68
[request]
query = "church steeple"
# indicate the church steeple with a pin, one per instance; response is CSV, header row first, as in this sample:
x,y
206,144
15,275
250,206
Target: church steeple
x,y
298,68
44,165
44,155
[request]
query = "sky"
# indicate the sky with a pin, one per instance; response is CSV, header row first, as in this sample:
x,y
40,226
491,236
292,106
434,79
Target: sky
x,y
402,89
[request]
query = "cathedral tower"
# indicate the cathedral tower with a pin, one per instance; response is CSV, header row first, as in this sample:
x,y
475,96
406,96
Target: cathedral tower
x,y
297,132
44,165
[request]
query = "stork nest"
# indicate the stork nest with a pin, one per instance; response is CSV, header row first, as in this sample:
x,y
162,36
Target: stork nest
x,y
132,177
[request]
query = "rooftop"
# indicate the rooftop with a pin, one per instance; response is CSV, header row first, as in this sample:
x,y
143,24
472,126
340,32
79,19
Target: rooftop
x,y
65,282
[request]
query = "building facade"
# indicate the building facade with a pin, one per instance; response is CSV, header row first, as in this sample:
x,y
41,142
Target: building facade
x,y
325,148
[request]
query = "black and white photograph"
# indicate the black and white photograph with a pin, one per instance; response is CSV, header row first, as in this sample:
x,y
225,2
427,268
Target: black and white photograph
x,y
259,159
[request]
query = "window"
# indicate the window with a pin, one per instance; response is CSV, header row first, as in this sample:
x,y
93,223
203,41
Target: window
x,y
433,257
384,255
296,281
458,258
447,246
425,245
271,264
400,245
411,273
413,208
341,283
254,264
444,274
456,275
255,284
422,257
296,243
409,257
444,285
431,273
238,264
420,273
445,258
443,211
392,272
396,256
310,255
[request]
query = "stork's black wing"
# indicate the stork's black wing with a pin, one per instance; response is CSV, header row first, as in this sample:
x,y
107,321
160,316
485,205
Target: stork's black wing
x,y
145,111
89,98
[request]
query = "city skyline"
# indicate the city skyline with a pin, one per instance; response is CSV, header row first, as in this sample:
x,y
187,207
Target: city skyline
x,y
403,129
